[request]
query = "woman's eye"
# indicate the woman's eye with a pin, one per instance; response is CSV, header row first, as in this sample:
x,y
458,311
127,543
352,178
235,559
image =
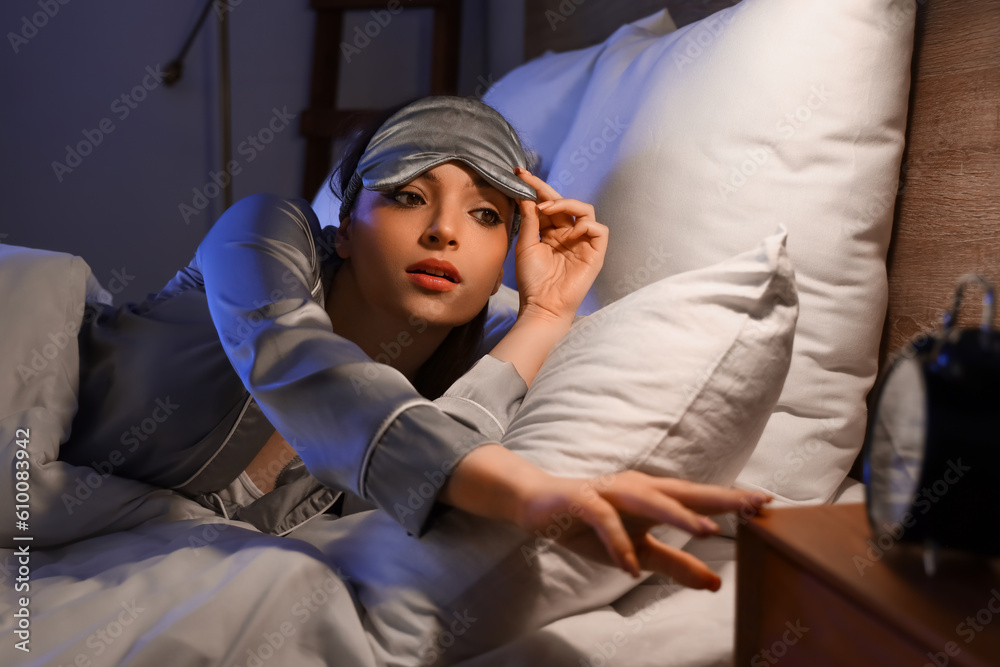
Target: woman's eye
x,y
487,216
400,198
491,217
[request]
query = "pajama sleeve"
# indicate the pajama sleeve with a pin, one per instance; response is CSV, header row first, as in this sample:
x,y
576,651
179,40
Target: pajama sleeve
x,y
358,425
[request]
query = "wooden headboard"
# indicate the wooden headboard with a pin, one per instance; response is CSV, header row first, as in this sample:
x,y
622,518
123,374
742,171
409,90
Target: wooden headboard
x,y
947,216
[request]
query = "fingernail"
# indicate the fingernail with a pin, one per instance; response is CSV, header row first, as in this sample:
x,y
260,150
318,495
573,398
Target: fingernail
x,y
633,565
759,498
545,204
708,524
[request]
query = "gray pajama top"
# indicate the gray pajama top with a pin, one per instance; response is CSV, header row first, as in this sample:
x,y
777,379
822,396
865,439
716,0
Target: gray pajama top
x,y
239,344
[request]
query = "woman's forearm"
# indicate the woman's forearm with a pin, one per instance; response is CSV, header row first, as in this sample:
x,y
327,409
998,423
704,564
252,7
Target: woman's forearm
x,y
530,340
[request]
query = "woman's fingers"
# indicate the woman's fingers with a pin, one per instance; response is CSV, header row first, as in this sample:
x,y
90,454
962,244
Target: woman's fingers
x,y
575,207
708,498
606,522
544,190
528,234
597,232
660,508
681,566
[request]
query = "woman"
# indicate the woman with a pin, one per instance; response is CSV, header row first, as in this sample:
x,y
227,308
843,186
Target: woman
x,y
298,411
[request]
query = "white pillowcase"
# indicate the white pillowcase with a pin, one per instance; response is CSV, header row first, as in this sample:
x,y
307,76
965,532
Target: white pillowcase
x,y
676,379
693,144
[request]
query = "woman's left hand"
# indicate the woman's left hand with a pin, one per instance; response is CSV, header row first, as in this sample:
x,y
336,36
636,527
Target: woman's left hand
x,y
608,519
559,252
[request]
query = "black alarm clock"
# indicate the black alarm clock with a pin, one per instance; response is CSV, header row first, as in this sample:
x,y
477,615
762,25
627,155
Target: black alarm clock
x,y
932,447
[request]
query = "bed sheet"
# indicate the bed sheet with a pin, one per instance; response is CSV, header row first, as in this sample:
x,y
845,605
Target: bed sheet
x,y
657,624
216,592
182,593
180,586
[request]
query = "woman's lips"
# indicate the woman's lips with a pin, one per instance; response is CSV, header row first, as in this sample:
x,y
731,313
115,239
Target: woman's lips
x,y
423,272
435,283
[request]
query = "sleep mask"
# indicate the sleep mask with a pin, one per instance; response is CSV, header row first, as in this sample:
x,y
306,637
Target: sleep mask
x,y
435,130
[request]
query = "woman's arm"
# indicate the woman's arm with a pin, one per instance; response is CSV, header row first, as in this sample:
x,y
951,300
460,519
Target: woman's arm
x,y
606,518
529,341
358,425
559,252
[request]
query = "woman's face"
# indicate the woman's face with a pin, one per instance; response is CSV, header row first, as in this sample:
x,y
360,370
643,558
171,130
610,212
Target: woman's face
x,y
448,214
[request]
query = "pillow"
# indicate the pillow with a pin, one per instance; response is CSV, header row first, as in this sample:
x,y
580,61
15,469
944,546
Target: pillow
x,y
39,380
689,145
678,378
542,118
566,76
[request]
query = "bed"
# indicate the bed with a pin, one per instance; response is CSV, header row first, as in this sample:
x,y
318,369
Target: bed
x,y
118,572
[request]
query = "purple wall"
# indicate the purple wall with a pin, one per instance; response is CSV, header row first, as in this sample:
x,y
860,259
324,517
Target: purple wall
x,y
129,207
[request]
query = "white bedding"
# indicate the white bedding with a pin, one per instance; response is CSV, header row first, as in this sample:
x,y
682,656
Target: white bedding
x,y
148,577
200,592
151,578
194,593
184,593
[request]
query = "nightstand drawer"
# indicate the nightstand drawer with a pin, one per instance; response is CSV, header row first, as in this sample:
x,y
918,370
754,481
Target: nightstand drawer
x,y
812,590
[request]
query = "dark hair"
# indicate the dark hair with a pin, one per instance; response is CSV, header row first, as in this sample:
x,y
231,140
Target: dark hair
x,y
456,354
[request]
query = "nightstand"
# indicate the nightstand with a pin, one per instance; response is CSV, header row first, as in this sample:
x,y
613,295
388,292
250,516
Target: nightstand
x,y
814,588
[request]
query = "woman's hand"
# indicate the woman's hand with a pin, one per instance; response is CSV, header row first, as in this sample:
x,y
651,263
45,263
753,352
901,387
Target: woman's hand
x,y
559,251
606,518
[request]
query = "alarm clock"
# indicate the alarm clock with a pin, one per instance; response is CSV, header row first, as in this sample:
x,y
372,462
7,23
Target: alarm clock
x,y
932,447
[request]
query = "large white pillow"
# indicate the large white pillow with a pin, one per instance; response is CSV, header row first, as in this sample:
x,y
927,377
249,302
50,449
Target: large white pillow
x,y
690,145
566,76
43,296
678,379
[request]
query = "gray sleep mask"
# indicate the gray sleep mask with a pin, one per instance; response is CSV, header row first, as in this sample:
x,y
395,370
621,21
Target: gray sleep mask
x,y
435,130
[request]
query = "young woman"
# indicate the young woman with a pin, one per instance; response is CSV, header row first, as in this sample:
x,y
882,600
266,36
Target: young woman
x,y
323,367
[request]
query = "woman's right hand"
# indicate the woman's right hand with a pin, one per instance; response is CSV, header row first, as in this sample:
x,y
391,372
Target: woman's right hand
x,y
559,251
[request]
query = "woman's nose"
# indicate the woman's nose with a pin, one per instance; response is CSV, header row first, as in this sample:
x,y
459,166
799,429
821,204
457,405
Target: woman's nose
x,y
443,229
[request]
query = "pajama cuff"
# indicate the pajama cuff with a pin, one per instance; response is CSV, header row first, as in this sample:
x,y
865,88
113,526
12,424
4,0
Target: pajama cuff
x,y
421,447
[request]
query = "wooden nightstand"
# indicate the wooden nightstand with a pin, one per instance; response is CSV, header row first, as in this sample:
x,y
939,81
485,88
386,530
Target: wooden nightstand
x,y
815,589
